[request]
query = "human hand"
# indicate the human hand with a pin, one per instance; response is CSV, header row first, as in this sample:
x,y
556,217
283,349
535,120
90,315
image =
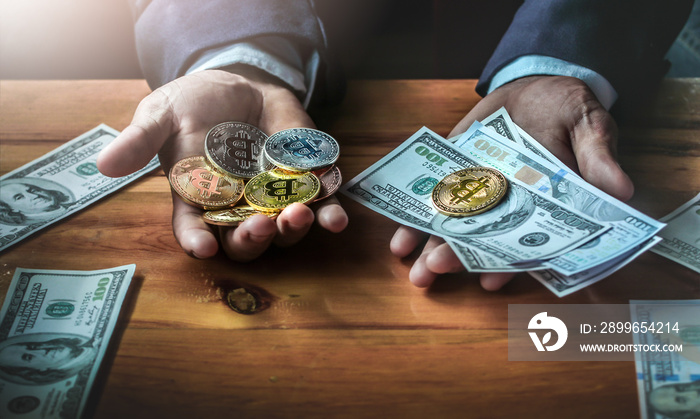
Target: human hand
x,y
566,117
173,122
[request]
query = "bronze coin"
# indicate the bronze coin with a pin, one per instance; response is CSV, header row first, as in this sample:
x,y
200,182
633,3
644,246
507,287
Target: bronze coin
x,y
330,182
199,185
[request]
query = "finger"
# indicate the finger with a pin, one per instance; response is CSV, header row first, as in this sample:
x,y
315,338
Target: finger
x,y
282,110
330,215
138,143
250,239
443,260
594,139
292,224
491,103
494,281
193,234
420,275
406,240
479,112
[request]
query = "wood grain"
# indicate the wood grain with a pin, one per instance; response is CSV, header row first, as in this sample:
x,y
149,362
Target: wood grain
x,y
345,334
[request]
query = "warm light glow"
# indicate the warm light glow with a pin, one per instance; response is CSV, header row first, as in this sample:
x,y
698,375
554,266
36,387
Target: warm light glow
x,y
66,39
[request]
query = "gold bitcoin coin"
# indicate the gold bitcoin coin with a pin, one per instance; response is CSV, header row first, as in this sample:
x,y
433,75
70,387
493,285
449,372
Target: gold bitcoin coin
x,y
232,217
275,190
199,185
469,191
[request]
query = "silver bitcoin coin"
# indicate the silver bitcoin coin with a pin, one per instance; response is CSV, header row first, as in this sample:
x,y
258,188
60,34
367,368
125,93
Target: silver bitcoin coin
x,y
235,148
301,149
265,164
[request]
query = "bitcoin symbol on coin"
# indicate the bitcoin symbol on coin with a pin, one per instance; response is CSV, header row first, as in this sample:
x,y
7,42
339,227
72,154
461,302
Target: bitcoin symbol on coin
x,y
193,179
206,187
469,191
234,148
275,190
242,148
281,189
467,188
303,147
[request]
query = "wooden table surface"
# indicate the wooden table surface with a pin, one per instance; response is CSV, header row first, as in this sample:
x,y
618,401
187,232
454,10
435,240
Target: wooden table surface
x,y
345,333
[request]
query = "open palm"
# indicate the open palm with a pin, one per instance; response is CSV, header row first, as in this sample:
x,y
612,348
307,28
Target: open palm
x,y
173,122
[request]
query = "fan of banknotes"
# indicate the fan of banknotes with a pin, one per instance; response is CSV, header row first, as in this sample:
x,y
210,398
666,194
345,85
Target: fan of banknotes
x,y
551,223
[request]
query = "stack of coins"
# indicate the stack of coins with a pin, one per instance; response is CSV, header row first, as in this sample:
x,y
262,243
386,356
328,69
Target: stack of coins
x,y
469,191
271,173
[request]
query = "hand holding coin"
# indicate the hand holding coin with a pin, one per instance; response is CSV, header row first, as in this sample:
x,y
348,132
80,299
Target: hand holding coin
x,y
174,120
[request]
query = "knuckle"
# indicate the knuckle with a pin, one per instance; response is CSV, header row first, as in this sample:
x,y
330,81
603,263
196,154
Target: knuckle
x,y
587,115
580,101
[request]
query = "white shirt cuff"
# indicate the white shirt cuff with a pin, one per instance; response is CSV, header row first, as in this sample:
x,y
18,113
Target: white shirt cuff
x,y
274,55
532,65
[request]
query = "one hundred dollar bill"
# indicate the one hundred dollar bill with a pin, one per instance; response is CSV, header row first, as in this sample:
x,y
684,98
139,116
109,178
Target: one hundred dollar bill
x,y
54,330
56,185
630,227
501,122
525,229
563,285
668,381
534,147
475,260
559,283
681,237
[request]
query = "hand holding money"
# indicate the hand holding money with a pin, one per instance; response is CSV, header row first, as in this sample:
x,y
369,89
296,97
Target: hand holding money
x,y
174,120
567,118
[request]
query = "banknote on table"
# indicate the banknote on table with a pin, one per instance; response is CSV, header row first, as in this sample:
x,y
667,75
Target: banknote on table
x,y
525,229
630,227
56,185
668,382
54,330
681,237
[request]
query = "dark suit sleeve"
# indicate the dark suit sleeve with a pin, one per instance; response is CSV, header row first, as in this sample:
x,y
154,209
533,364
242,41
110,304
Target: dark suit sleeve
x,y
171,34
623,41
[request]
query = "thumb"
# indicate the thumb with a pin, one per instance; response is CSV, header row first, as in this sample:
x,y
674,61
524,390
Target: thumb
x,y
282,110
152,124
594,141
